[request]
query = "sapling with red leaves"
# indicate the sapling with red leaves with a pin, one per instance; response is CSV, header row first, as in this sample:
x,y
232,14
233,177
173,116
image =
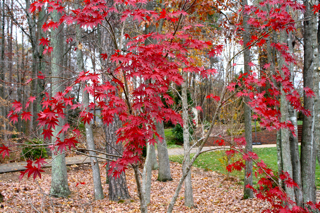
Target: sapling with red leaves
x,y
160,64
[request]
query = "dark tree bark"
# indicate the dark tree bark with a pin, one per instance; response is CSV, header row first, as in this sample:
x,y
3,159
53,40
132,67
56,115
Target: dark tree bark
x,y
118,189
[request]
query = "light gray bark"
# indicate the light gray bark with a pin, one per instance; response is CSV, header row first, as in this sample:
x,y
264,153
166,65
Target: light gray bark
x,y
294,147
271,60
164,173
198,152
147,174
59,181
285,143
153,156
307,144
188,194
247,193
317,101
118,189
151,5
98,192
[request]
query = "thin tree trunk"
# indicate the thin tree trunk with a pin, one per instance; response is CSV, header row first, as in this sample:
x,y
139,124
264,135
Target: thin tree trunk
x,y
285,143
247,192
59,181
294,147
98,192
307,144
2,65
164,173
188,194
147,174
141,193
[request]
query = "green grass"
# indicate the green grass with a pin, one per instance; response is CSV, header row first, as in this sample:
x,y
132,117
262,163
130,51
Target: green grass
x,y
215,161
170,139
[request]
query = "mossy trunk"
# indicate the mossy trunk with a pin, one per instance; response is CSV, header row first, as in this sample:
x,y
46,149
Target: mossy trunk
x,y
59,181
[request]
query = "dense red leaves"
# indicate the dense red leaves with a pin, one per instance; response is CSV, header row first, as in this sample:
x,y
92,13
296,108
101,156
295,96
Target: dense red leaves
x,y
160,64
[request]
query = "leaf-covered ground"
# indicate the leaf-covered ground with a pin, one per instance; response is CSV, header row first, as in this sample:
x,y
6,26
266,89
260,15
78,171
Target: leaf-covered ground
x,y
213,192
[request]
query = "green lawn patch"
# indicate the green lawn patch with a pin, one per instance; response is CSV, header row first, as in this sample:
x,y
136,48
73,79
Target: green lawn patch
x,y
217,161
171,143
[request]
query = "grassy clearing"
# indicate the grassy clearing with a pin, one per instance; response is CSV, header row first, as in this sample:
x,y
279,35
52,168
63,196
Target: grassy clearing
x,y
170,139
217,161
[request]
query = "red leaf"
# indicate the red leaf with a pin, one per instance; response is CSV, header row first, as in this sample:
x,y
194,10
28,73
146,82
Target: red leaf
x,y
104,56
198,108
17,106
14,118
251,64
64,128
40,162
4,151
309,92
47,50
47,133
31,99
217,98
26,116
32,170
44,41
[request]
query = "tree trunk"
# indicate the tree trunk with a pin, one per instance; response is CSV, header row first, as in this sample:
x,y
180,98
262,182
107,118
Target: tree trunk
x,y
294,147
247,193
153,158
2,65
285,142
188,194
59,182
164,173
141,193
98,192
147,174
307,143
118,189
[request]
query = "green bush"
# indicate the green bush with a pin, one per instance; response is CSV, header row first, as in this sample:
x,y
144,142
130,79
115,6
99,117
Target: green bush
x,y
34,152
177,131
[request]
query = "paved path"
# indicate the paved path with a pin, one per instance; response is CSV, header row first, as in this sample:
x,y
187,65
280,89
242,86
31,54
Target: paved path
x,y
20,166
179,151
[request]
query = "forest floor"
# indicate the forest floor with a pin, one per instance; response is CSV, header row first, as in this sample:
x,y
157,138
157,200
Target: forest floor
x,y
213,192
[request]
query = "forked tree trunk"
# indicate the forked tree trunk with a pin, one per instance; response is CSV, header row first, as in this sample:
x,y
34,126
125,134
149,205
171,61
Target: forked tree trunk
x,y
118,189
59,181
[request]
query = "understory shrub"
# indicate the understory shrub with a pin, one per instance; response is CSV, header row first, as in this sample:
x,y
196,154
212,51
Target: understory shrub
x,y
34,150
